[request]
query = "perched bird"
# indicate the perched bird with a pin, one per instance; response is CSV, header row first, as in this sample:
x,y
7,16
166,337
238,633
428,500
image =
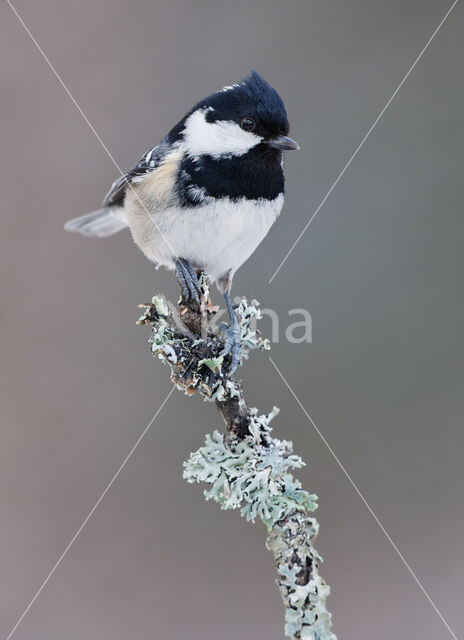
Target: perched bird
x,y
205,197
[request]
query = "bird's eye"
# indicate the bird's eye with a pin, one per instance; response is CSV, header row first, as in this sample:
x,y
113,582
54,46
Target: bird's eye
x,y
248,124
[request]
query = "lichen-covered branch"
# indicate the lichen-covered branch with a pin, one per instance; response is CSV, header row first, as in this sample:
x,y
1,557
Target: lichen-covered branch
x,y
245,468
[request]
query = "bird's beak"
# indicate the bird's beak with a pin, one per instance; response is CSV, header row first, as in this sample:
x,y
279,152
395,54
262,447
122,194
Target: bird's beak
x,y
283,143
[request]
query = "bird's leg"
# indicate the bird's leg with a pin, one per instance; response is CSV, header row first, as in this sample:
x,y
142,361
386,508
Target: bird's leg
x,y
193,275
233,336
188,281
182,281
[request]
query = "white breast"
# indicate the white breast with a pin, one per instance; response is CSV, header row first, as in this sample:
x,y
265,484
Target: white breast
x,y
216,236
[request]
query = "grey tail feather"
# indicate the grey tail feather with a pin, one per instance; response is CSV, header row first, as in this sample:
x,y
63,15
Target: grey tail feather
x,y
99,224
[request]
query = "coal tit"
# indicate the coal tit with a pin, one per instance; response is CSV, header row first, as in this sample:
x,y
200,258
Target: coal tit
x,y
206,196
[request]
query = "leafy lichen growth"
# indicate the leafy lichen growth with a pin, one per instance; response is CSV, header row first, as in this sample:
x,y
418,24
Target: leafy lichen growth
x,y
253,475
250,475
246,468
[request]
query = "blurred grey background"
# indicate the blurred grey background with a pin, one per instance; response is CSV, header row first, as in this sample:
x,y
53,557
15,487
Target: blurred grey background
x,y
380,270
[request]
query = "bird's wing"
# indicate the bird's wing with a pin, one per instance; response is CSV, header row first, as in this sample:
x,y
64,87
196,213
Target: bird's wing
x,y
148,162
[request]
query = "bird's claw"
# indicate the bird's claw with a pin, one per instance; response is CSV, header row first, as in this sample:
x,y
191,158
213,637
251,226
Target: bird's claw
x,y
232,345
191,289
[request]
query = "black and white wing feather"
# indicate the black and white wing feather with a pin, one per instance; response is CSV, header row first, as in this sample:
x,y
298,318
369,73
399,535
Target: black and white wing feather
x,y
148,162
111,217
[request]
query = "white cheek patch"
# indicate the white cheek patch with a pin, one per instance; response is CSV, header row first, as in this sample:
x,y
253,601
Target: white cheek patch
x,y
220,138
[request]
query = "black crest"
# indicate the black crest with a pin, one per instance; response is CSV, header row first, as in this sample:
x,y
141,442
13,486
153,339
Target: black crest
x,y
252,97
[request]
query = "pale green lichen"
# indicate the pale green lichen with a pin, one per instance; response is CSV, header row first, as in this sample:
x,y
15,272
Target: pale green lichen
x,y
160,306
214,364
250,475
303,592
247,313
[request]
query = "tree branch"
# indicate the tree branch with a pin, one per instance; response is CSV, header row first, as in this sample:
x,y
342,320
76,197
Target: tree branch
x,y
245,467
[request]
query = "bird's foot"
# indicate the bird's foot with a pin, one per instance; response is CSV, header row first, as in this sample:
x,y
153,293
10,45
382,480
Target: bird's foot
x,y
191,289
232,344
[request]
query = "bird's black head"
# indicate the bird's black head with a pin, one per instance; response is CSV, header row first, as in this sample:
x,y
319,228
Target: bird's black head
x,y
233,142
236,119
253,105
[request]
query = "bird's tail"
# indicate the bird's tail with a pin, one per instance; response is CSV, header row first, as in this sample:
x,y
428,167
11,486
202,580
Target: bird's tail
x,y
99,224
